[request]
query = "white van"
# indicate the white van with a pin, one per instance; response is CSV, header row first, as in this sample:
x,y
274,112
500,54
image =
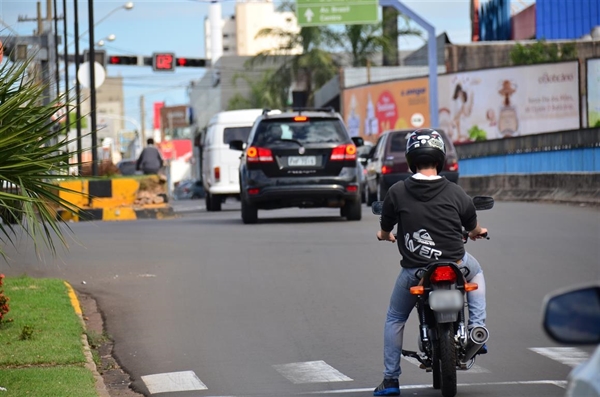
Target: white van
x,y
220,165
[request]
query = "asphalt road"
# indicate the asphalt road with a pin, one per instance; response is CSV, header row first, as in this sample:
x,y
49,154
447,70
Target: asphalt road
x,y
295,304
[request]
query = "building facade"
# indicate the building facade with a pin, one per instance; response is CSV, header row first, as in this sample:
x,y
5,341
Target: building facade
x,y
560,20
240,30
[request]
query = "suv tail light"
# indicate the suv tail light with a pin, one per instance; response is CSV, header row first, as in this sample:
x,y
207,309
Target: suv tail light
x,y
443,273
217,173
259,155
343,152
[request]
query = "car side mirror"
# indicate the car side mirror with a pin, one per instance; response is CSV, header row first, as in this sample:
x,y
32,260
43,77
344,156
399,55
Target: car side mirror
x,y
483,203
237,145
358,141
572,316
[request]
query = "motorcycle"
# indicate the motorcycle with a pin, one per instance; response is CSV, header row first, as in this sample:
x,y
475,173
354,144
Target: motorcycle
x,y
445,344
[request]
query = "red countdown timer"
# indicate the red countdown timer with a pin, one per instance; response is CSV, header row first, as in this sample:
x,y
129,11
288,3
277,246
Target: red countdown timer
x,y
163,62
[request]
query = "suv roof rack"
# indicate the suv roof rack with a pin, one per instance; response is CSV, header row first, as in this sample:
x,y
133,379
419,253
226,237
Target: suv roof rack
x,y
328,109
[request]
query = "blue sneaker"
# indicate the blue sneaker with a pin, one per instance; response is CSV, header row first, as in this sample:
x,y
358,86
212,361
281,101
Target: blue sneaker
x,y
389,387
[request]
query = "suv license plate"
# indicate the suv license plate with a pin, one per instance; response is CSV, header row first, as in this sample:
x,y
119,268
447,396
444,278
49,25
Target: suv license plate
x,y
302,161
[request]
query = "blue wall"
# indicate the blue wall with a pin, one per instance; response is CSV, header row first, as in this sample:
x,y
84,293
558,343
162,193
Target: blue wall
x,y
566,19
577,160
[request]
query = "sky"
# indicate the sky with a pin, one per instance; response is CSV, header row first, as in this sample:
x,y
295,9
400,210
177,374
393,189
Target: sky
x,y
178,26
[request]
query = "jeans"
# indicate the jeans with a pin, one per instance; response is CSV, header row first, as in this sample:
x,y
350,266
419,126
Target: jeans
x,y
402,303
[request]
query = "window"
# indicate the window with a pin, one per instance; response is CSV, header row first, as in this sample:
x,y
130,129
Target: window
x,y
235,134
306,132
398,143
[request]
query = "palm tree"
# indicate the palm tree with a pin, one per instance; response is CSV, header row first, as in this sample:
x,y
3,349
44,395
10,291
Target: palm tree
x,y
301,57
32,159
366,41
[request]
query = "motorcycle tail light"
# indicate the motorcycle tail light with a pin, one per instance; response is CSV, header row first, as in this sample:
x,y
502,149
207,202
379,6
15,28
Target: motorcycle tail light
x,y
385,169
471,287
417,290
443,273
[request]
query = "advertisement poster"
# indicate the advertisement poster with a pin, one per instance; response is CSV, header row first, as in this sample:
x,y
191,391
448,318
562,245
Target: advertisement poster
x,y
371,110
509,102
593,92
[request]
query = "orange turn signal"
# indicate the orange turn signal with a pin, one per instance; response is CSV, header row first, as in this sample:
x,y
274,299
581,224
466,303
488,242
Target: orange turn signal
x,y
417,290
471,287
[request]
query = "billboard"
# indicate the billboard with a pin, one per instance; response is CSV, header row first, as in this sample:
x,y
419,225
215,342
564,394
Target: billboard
x,y
370,110
509,102
593,92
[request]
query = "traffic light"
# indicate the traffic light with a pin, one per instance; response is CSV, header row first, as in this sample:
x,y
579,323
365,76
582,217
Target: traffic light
x,y
191,62
163,62
123,60
99,56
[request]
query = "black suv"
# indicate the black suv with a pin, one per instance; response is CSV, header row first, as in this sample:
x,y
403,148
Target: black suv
x,y
300,158
386,163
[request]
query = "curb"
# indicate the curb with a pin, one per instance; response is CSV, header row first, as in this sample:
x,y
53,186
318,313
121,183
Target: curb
x,y
87,351
159,211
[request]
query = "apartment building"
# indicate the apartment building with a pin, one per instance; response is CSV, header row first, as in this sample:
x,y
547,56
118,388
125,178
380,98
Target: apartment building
x,y
240,30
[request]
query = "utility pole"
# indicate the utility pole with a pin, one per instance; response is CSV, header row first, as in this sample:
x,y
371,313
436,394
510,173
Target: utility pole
x,y
143,122
44,39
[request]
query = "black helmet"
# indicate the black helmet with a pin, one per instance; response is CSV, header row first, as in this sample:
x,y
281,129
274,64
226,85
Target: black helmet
x,y
425,146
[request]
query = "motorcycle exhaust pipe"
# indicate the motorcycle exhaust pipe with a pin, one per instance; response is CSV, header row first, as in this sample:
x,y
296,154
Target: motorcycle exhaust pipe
x,y
477,337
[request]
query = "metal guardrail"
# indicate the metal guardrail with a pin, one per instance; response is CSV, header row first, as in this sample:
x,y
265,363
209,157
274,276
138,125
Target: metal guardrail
x,y
562,140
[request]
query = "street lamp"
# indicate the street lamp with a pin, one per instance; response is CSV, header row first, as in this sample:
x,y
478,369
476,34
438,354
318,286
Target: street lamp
x,y
127,6
110,37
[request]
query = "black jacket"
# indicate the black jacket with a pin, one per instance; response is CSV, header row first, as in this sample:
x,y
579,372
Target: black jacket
x,y
430,215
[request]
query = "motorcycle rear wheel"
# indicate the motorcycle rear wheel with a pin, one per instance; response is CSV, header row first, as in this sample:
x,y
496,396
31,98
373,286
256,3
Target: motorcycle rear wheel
x,y
447,359
436,368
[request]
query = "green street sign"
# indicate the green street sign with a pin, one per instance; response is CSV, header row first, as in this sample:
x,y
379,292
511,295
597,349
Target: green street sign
x,y
332,12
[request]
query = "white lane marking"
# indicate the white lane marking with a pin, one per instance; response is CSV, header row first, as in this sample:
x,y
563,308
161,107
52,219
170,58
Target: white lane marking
x,y
311,372
475,369
559,383
172,382
570,356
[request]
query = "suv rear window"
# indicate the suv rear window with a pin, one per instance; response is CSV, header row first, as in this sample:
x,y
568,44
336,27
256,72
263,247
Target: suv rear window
x,y
398,142
319,130
236,134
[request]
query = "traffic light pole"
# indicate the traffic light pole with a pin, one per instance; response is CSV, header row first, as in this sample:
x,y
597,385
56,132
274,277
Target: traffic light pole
x,y
77,90
93,88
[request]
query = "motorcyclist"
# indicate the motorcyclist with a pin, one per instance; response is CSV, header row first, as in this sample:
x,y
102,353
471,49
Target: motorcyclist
x,y
430,212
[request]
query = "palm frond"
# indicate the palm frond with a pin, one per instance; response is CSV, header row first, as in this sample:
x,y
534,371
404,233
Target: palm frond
x,y
33,160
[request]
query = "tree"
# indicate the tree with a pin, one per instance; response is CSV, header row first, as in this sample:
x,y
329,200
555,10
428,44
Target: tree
x,y
365,41
32,159
542,52
302,56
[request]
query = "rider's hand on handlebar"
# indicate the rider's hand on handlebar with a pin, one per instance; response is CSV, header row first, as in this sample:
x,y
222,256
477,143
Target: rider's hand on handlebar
x,y
386,236
481,233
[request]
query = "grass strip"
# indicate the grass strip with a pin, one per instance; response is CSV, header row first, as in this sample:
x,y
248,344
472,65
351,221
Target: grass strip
x,y
73,381
41,352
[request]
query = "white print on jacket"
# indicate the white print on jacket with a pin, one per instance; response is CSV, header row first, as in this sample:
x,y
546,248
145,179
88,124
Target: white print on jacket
x,y
421,244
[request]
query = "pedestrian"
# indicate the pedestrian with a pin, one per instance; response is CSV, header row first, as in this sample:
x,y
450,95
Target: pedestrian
x,y
150,160
430,211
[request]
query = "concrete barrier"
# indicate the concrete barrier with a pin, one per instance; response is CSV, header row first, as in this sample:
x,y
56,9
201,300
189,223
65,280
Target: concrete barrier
x,y
109,200
579,188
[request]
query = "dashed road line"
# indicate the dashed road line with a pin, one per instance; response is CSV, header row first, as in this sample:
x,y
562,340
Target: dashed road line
x,y
570,356
311,372
173,382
